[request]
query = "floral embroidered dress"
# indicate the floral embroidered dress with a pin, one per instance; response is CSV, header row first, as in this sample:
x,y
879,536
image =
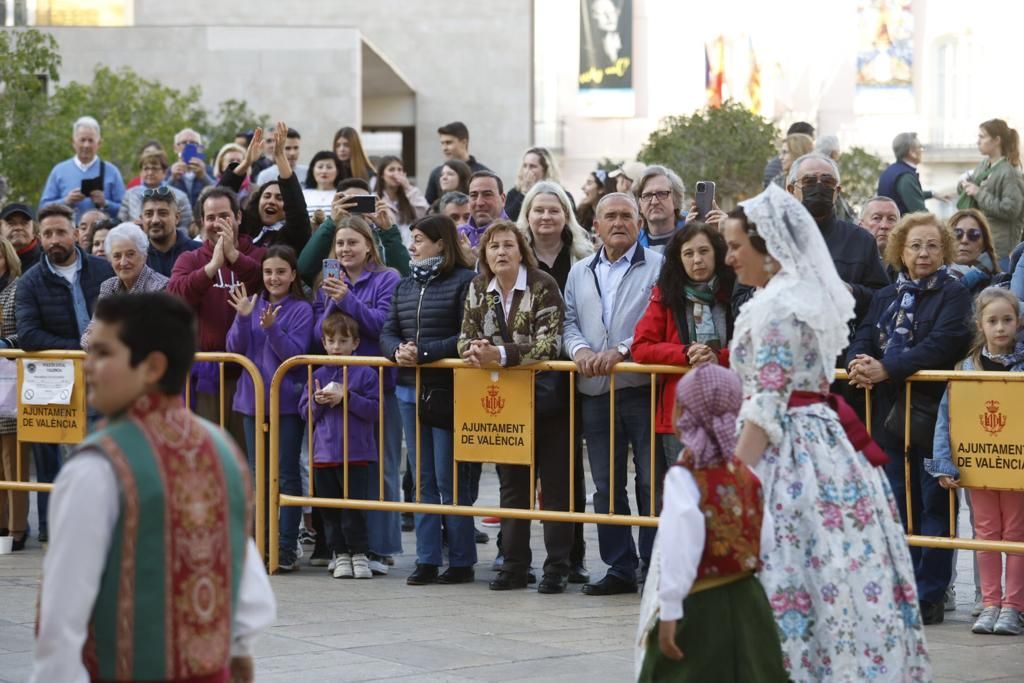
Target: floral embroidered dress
x,y
839,576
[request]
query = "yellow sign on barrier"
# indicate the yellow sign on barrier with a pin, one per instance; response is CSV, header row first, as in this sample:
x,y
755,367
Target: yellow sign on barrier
x,y
51,401
494,416
987,433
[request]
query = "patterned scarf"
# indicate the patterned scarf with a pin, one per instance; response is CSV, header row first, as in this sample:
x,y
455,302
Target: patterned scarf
x,y
426,270
709,399
896,325
702,296
1007,360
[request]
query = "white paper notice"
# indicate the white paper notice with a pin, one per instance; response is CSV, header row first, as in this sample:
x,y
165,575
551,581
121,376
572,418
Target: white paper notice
x,y
47,382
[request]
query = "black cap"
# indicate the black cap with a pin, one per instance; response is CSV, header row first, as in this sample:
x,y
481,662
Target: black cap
x,y
12,209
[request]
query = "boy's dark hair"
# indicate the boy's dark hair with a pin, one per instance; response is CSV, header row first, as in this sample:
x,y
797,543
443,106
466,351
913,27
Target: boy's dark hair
x,y
349,183
150,322
801,127
294,134
455,128
338,324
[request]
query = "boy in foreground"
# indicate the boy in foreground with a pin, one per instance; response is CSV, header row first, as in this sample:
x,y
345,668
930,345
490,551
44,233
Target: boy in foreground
x,y
150,572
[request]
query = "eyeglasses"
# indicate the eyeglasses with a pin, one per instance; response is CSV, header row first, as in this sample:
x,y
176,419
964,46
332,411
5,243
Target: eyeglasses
x,y
973,234
660,195
162,192
831,182
930,247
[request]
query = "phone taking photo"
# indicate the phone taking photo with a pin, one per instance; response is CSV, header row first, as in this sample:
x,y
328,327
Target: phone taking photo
x,y
704,198
191,151
332,268
365,203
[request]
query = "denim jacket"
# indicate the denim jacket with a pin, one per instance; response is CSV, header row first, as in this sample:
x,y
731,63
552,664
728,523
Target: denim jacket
x,y
941,463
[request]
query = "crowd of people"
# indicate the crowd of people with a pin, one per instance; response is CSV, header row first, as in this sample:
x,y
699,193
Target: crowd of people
x,y
346,256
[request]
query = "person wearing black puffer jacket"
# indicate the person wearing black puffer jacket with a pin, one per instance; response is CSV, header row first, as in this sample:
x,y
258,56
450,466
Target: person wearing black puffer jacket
x,y
423,326
276,213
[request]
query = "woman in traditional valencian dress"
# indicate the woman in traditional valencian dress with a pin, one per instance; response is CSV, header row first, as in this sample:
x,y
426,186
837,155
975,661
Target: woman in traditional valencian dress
x,y
838,575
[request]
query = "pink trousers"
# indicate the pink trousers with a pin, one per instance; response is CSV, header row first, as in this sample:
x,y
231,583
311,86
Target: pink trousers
x,y
999,516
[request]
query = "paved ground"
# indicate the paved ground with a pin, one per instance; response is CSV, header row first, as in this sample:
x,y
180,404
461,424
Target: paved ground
x,y
330,630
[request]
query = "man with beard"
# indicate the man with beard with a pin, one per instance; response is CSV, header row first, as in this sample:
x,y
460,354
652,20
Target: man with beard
x,y
159,220
814,180
18,226
54,305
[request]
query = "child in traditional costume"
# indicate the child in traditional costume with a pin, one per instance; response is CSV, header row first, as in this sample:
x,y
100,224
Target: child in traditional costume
x,y
150,574
705,616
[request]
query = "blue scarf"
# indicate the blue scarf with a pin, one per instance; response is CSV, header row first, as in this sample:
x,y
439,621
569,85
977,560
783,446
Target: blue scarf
x,y
426,270
896,325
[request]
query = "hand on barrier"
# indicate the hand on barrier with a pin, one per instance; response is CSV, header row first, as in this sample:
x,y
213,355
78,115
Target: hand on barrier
x,y
700,353
866,371
407,354
482,353
667,640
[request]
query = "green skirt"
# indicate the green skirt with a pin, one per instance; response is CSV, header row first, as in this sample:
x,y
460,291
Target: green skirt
x,y
727,635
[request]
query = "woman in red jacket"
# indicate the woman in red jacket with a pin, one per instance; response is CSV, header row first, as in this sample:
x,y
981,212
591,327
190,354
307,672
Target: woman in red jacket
x,y
689,319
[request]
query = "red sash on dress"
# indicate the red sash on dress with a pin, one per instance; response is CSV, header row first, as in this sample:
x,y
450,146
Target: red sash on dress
x,y
855,430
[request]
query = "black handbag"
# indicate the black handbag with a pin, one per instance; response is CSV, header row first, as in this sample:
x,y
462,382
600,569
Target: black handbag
x,y
437,404
924,410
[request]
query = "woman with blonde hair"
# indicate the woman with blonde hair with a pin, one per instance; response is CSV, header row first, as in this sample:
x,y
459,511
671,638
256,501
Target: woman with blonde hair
x,y
537,165
793,147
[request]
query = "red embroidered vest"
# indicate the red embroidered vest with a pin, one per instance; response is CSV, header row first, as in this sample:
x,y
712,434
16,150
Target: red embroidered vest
x,y
168,593
733,505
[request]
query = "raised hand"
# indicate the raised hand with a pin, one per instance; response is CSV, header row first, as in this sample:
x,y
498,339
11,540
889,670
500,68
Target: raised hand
x,y
268,315
239,300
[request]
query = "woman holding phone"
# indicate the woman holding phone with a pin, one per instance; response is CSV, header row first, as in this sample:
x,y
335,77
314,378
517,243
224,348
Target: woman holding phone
x,y
355,282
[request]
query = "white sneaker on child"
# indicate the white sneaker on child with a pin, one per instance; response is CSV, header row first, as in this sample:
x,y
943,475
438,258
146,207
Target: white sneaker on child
x,y
343,566
361,566
378,564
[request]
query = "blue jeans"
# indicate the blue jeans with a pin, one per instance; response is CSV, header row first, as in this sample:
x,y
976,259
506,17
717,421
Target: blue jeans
x,y
47,460
933,567
289,445
437,457
385,528
632,428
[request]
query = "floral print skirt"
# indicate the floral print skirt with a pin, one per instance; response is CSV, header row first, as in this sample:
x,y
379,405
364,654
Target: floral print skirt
x,y
839,576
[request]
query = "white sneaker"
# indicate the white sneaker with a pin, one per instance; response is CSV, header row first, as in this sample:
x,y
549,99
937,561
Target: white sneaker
x,y
343,566
949,600
361,566
986,620
978,606
378,565
1009,622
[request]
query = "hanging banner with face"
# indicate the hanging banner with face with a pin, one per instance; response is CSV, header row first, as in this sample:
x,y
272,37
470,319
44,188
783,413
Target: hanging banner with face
x,y
606,58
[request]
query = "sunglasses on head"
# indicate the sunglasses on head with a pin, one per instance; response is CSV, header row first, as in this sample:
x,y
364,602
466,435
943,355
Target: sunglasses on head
x,y
973,234
162,191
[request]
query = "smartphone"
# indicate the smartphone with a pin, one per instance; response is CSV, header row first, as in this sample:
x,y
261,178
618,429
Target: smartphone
x,y
332,268
91,184
704,198
192,151
365,203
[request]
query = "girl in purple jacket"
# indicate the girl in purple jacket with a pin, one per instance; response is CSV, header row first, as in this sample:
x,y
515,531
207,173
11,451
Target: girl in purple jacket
x,y
344,443
271,327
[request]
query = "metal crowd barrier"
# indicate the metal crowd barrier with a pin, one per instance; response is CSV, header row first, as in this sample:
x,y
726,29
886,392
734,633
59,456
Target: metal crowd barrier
x,y
21,483
277,500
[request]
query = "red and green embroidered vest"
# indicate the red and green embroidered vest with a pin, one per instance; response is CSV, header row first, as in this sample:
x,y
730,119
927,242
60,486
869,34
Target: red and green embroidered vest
x,y
168,593
733,505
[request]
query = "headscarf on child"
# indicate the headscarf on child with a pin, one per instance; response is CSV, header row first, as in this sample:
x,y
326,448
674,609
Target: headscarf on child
x,y
709,398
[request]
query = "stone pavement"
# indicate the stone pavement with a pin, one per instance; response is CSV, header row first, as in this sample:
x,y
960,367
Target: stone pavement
x,y
331,630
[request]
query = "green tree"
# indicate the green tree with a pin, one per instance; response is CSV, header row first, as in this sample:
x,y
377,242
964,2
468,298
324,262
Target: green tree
x,y
860,170
728,145
28,61
35,131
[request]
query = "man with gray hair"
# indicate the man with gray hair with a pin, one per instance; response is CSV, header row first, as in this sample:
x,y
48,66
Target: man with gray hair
x,y
900,181
85,181
605,295
660,192
814,180
193,174
455,205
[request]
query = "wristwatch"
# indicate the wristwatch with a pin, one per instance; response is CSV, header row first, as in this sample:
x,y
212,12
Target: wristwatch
x,y
623,349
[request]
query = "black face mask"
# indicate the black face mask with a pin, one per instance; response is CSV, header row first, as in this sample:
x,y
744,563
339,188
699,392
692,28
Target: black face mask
x,y
819,201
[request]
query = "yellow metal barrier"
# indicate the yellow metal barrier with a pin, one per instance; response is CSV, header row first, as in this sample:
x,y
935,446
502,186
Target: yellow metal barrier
x,y
277,499
220,359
